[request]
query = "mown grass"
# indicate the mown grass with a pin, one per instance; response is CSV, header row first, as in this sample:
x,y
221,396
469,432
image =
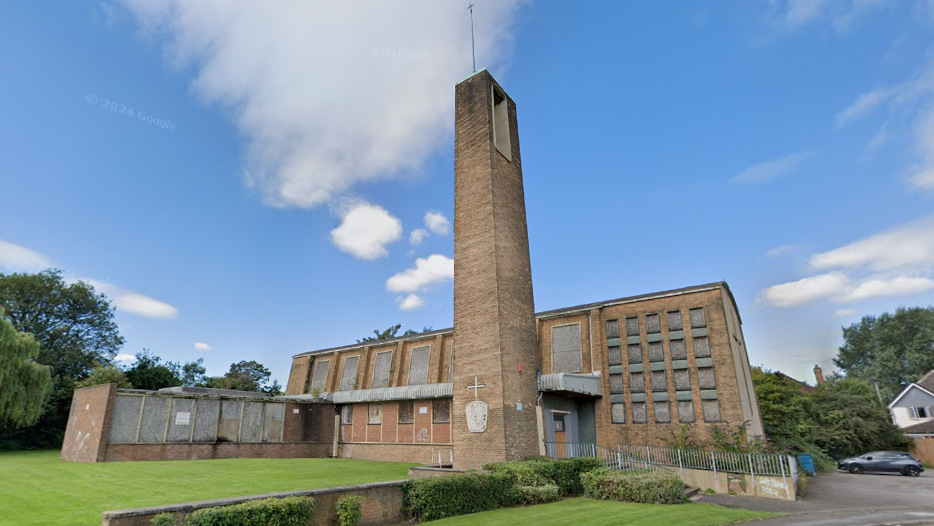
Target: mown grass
x,y
586,512
36,488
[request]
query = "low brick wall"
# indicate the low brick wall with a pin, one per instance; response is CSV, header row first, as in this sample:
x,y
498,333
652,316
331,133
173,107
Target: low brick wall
x,y
773,487
424,472
131,452
416,453
382,504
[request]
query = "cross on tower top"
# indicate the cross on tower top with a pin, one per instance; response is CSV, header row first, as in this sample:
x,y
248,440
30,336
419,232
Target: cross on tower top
x,y
476,387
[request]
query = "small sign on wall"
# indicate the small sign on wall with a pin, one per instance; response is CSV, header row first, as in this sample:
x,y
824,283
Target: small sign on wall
x,y
423,410
295,410
182,418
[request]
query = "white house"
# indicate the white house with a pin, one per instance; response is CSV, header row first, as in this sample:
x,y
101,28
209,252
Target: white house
x,y
913,409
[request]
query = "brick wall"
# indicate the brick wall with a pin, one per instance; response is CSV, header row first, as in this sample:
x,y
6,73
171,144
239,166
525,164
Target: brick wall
x,y
135,452
88,424
389,440
382,504
427,454
299,375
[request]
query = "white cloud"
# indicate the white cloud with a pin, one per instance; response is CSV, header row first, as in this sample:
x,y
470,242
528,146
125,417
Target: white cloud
x,y
844,313
365,230
124,358
435,269
323,108
782,250
410,302
842,14
801,12
898,286
16,257
201,346
437,223
134,302
807,290
878,140
910,245
417,235
922,175
769,170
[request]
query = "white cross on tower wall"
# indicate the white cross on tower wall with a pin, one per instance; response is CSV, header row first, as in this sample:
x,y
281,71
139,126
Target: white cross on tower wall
x,y
476,387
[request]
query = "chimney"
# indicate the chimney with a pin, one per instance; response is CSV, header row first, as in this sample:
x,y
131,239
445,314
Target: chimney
x,y
819,374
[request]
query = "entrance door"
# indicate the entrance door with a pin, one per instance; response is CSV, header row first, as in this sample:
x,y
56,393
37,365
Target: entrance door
x,y
561,437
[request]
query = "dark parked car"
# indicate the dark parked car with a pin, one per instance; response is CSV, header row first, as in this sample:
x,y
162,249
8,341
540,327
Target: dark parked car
x,y
890,461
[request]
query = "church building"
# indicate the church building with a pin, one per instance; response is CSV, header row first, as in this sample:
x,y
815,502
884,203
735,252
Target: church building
x,y
504,383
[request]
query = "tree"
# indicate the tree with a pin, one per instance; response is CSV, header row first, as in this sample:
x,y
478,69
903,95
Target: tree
x,y
105,374
388,334
891,350
246,376
192,373
25,385
76,332
148,372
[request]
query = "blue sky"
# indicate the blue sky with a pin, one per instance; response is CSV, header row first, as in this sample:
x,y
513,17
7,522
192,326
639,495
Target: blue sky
x,y
252,180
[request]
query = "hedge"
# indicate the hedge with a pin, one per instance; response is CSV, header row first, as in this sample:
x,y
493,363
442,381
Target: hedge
x,y
528,495
288,511
539,471
649,487
436,498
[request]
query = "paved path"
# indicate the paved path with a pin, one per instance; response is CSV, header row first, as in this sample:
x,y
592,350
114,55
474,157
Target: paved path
x,y
842,499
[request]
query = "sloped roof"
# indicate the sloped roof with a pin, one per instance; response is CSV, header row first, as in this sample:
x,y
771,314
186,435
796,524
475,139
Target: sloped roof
x,y
922,428
909,388
927,381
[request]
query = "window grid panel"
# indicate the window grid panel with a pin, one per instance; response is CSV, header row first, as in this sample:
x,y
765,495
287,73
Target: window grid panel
x,y
706,378
632,326
686,411
659,381
418,365
682,380
321,375
698,317
375,414
638,413
675,323
637,382
635,352
618,413
652,324
566,349
612,329
616,383
662,412
678,350
702,347
656,354
711,410
349,373
381,369
614,355
407,412
441,411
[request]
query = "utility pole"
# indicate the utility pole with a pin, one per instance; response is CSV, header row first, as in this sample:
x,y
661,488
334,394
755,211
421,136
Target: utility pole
x,y
473,49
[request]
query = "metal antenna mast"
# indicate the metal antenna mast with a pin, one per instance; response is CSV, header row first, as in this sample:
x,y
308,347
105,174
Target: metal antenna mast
x,y
472,48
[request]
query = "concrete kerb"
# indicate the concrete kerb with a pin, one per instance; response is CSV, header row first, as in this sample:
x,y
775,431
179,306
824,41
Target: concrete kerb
x,y
383,515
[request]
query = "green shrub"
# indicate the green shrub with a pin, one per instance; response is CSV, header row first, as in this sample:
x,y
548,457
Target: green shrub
x,y
348,510
528,495
541,471
289,511
163,519
523,473
649,487
437,498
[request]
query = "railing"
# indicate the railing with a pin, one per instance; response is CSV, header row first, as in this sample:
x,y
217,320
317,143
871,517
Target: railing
x,y
717,461
611,458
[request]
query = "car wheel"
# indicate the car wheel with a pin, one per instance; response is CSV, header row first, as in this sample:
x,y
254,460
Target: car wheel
x,y
911,471
856,469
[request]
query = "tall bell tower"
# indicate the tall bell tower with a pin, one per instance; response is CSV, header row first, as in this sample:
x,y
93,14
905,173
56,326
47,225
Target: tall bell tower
x,y
496,353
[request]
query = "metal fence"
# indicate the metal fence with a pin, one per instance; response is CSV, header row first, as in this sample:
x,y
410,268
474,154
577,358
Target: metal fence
x,y
611,458
717,461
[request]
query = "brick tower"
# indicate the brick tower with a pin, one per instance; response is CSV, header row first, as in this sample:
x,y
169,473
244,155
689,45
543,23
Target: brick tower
x,y
495,342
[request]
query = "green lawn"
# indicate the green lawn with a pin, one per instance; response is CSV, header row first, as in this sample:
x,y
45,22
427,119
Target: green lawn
x,y
586,512
36,488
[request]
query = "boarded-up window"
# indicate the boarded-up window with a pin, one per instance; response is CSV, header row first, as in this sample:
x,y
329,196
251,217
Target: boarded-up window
x,y
632,326
206,420
441,411
659,381
635,352
706,378
381,369
682,379
229,428
272,427
662,412
619,413
180,420
616,383
638,413
674,321
686,411
124,420
252,426
678,350
614,356
711,410
701,347
652,324
637,382
656,354
321,375
374,414
155,416
418,365
566,348
349,374
612,329
406,412
346,414
698,318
